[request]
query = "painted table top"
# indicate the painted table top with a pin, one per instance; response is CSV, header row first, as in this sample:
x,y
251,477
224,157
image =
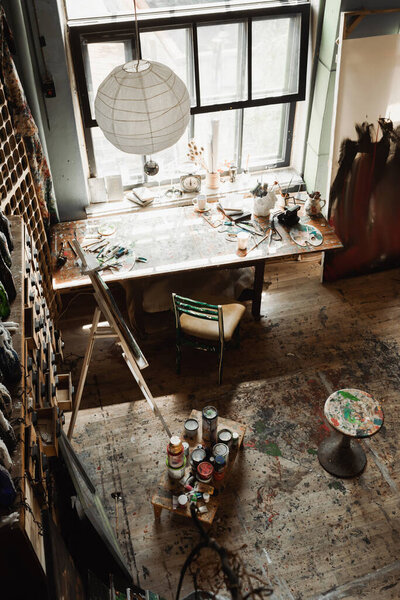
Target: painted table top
x,y
354,413
174,239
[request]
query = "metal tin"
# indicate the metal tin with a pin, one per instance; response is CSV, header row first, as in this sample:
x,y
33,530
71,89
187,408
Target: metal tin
x,y
205,472
198,456
225,436
210,423
235,439
221,450
191,428
176,473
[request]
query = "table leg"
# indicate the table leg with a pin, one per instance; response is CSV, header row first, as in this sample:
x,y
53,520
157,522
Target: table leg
x,y
138,309
157,512
257,288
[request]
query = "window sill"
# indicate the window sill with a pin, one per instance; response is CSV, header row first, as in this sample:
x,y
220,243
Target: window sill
x,y
287,176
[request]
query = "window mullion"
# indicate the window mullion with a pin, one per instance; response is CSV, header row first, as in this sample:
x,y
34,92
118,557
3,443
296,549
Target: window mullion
x,y
239,140
196,65
249,59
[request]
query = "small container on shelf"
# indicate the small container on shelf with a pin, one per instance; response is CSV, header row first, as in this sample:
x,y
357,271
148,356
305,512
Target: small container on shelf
x,y
64,391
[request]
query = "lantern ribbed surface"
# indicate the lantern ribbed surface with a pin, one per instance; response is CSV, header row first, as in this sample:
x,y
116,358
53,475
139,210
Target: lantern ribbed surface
x,y
142,107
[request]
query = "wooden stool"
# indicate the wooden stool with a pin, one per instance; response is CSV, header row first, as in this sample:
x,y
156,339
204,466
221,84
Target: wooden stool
x,y
354,414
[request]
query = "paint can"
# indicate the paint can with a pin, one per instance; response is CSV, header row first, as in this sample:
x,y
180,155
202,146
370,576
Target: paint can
x,y
210,424
225,436
178,472
219,467
221,449
198,456
191,428
205,471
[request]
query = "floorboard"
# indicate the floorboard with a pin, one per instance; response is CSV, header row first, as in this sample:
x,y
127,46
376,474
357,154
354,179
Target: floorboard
x,y
310,535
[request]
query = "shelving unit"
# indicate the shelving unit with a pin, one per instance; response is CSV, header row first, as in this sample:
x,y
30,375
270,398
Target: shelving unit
x,y
36,415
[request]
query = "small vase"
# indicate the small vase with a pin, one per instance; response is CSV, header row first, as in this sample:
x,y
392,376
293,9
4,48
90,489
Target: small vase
x,y
212,180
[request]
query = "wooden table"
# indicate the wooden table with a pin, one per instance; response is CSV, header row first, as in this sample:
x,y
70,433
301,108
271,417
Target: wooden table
x,y
167,487
177,240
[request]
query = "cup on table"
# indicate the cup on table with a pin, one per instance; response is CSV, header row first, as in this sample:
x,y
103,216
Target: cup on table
x,y
200,202
242,240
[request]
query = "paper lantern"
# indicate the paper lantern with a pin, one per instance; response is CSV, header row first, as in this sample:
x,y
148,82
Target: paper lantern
x,y
142,107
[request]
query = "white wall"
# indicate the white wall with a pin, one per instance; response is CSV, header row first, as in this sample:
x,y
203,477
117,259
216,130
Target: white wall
x,y
368,86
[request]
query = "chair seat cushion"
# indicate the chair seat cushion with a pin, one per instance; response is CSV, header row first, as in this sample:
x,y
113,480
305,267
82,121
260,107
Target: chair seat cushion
x,y
202,328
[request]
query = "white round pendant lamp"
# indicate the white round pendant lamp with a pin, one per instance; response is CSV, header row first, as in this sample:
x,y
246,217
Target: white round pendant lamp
x,y
142,107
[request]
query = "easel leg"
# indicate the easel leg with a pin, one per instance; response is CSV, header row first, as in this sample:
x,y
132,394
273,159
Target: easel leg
x,y
257,289
85,367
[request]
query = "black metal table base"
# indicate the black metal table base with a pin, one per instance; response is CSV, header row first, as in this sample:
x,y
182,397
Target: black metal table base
x,y
341,456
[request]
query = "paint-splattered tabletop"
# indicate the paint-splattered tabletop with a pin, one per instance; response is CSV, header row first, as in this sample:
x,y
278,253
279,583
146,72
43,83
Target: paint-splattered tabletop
x,y
354,413
174,239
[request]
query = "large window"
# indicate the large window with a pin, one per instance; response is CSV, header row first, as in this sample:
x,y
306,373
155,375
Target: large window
x,y
244,64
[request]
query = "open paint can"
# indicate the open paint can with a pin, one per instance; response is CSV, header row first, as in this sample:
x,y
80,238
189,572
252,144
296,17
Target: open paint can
x,y
191,427
221,449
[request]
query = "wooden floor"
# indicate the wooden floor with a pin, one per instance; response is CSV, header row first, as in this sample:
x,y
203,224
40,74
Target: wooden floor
x,y
310,535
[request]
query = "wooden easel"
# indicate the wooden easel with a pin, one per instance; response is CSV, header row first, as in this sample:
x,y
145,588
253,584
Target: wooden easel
x,y
117,328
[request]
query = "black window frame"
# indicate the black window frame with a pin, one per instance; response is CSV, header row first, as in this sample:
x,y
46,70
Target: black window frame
x,y
122,29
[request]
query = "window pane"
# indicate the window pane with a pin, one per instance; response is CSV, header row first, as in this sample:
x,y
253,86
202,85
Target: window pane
x,y
79,9
275,56
227,134
171,160
101,60
111,161
222,63
264,134
170,47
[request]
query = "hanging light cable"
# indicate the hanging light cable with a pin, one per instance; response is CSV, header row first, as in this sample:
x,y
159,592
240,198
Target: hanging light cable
x,y
142,107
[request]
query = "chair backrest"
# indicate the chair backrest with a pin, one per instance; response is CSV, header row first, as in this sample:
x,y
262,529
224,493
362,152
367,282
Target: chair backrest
x,y
200,310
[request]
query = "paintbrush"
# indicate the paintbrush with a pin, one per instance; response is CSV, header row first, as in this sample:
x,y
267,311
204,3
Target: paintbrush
x,y
258,243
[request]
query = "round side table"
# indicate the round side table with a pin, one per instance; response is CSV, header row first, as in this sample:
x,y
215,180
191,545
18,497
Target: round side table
x,y
353,414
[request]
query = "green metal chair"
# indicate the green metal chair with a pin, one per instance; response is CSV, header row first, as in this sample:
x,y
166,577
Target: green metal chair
x,y
206,326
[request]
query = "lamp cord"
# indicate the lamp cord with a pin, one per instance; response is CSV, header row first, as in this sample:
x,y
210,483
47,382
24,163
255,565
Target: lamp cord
x,y
137,37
